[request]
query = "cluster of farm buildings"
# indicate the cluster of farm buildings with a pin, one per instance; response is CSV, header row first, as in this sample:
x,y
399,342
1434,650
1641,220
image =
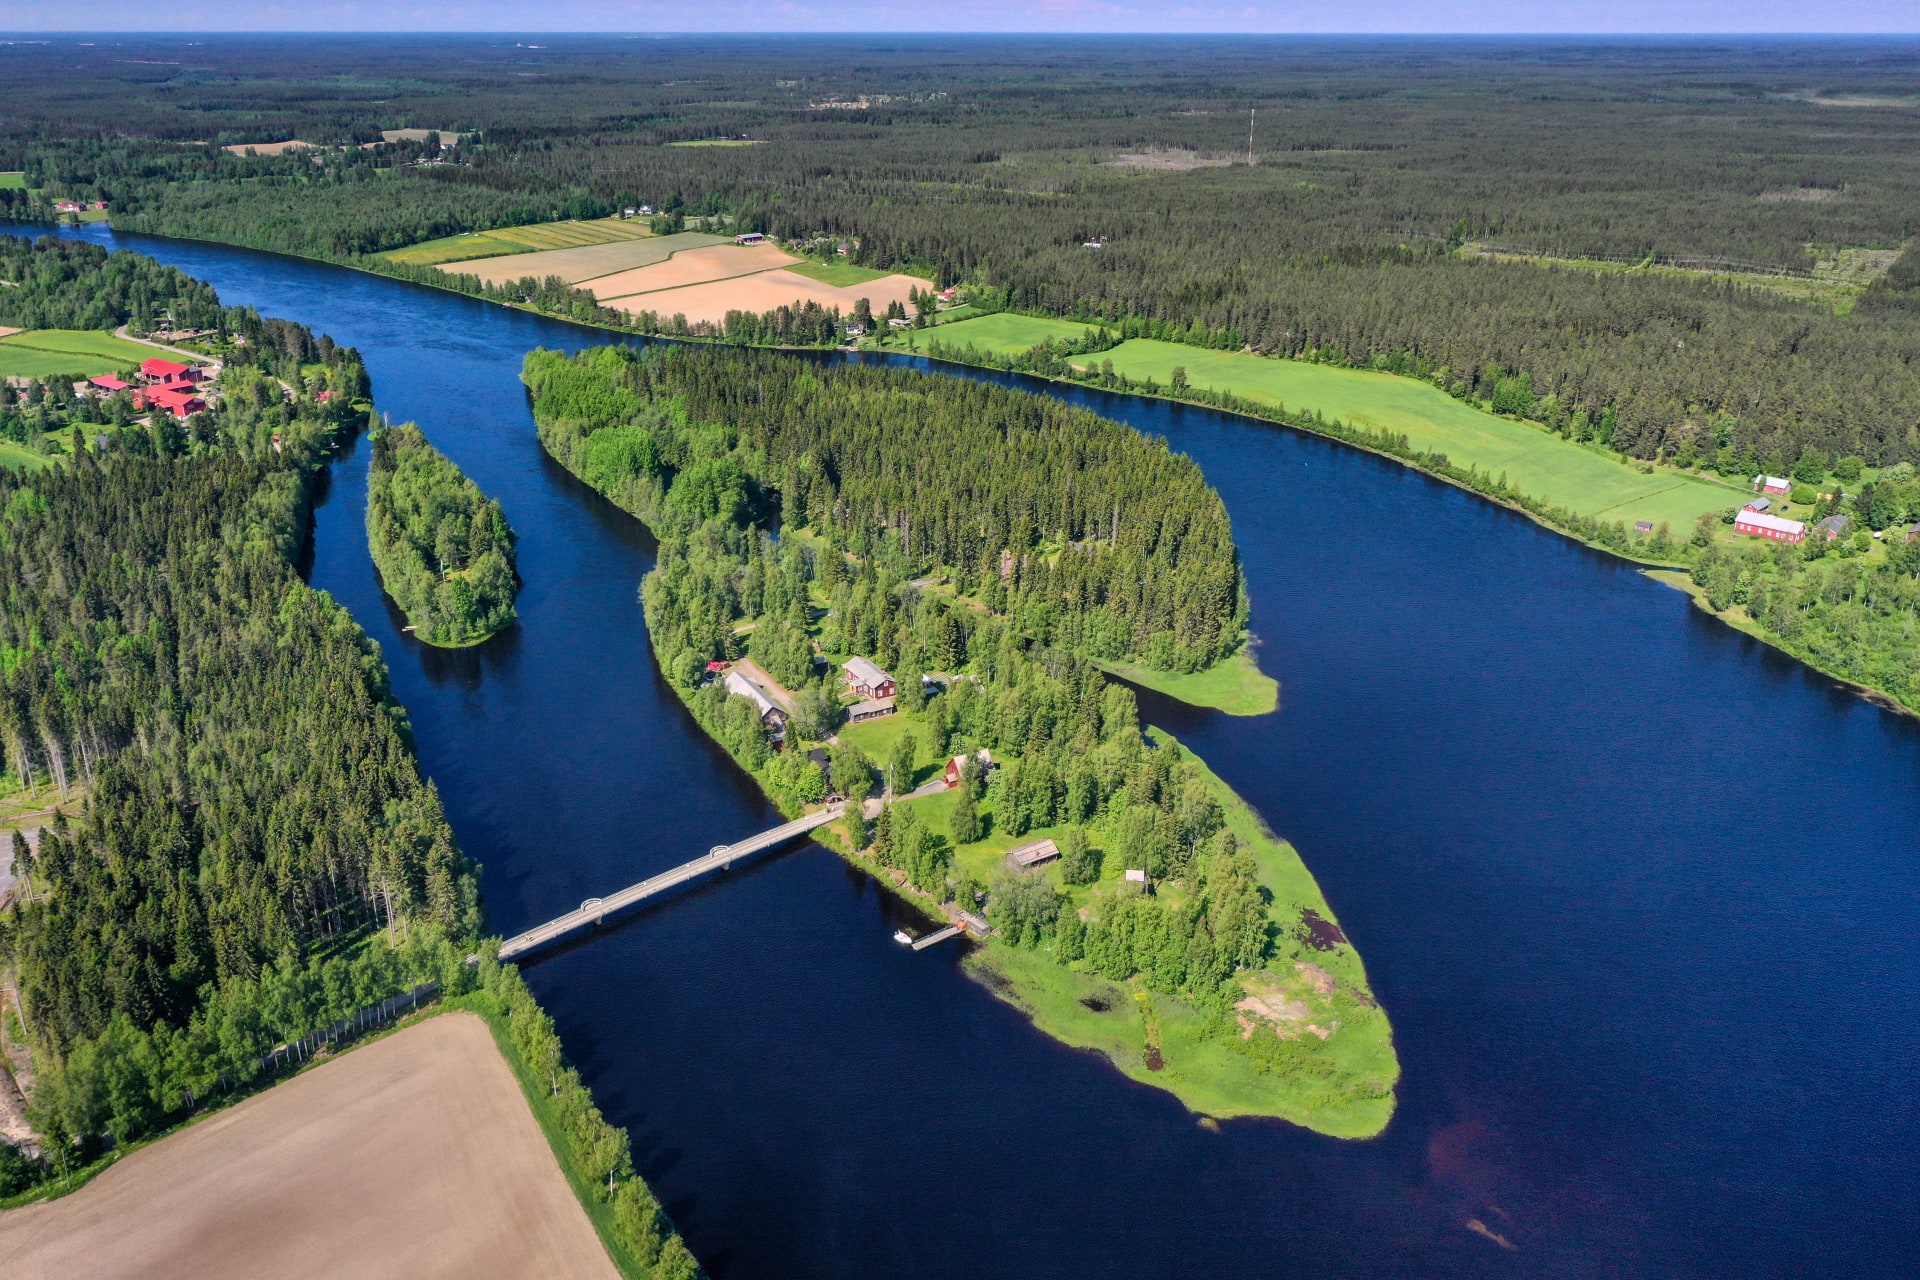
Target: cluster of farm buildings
x,y
164,385
871,688
1757,520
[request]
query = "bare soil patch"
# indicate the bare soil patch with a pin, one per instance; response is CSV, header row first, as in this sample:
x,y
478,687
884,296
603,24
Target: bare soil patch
x,y
412,1156
583,262
5,332
763,292
1154,158
692,266
1800,195
272,148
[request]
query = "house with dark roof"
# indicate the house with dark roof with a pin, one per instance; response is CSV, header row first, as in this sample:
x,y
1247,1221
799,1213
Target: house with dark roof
x,y
1833,526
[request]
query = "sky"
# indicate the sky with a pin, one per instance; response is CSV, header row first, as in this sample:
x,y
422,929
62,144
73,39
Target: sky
x,y
1066,16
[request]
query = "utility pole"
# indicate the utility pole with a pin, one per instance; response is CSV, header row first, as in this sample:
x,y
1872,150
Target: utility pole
x,y
1250,111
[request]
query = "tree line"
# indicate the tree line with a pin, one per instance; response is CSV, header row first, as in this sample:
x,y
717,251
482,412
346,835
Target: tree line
x,y
443,549
1091,535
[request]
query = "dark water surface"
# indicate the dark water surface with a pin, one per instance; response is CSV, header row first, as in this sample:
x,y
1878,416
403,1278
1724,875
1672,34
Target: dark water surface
x,y
1639,894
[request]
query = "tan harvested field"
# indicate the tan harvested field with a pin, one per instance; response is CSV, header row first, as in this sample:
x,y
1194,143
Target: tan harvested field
x,y
584,262
272,148
413,1156
691,266
763,292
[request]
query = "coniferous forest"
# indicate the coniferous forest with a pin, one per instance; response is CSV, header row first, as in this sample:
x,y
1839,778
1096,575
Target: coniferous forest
x,y
775,483
1455,206
444,550
1080,531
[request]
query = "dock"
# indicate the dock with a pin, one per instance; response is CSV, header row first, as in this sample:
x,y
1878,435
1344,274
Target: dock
x,y
921,944
595,911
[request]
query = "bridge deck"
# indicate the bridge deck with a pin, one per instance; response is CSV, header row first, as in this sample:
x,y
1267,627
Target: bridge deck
x,y
594,910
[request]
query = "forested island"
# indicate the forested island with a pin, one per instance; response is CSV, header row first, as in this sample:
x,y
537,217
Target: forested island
x,y
241,849
982,549
443,548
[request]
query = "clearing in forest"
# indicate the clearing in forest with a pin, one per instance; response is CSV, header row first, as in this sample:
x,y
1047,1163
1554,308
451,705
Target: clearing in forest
x,y
13,180
414,1155
78,353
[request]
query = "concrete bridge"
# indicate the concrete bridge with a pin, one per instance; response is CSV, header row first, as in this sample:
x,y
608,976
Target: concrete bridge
x,y
596,910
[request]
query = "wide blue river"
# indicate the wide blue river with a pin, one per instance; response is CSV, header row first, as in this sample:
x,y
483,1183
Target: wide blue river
x,y
1641,896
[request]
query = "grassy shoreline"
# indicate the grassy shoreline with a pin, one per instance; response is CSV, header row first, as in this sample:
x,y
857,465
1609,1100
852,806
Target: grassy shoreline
x,y
1236,685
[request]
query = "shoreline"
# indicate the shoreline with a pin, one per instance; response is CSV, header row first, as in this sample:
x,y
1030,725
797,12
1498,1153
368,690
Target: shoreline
x,y
1652,568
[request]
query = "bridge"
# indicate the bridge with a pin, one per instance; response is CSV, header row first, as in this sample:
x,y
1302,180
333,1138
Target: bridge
x,y
595,910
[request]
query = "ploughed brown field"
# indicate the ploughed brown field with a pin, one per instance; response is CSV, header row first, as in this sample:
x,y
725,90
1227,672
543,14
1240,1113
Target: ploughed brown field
x,y
412,1156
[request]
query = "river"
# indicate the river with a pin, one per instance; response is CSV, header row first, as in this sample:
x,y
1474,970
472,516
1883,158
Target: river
x,y
1640,895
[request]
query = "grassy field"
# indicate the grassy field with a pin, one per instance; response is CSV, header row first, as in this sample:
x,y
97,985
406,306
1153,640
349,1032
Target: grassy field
x,y
1236,686
79,353
840,275
527,239
1002,333
1536,461
719,142
15,458
13,180
1585,480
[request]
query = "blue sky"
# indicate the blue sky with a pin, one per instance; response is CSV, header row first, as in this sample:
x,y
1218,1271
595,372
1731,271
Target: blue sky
x,y
1378,16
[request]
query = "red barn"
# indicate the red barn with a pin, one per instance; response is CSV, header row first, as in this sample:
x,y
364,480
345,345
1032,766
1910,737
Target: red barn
x,y
108,383
1761,525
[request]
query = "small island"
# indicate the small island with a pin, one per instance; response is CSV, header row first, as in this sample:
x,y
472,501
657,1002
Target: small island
x,y
900,591
443,548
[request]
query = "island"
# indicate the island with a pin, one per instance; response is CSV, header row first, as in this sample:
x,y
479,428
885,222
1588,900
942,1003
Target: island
x,y
897,590
443,548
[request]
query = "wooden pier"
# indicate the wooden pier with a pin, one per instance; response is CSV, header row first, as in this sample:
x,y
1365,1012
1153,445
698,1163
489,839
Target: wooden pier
x,y
941,935
595,911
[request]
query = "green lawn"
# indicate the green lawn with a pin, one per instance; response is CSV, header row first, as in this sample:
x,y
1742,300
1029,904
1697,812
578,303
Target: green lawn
x,y
1002,333
1236,686
79,353
13,180
840,275
15,458
1536,461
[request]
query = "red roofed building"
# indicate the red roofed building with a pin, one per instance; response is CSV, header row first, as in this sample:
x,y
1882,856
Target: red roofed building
x,y
157,370
108,383
179,403
1759,524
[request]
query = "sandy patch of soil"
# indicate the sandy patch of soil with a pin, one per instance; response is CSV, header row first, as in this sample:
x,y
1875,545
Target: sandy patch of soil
x,y
271,148
765,291
1800,195
1154,158
692,266
413,1156
6,332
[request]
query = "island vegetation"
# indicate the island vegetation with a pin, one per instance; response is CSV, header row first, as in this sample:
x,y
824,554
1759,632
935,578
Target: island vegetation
x,y
242,849
803,525
444,549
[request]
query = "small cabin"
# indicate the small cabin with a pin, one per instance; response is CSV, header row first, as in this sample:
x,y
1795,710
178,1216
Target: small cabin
x,y
1833,526
751,237
1035,853
1759,504
1772,484
956,765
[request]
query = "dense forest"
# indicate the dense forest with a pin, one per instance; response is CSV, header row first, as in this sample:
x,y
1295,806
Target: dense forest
x,y
242,847
1380,176
443,548
1071,754
1083,532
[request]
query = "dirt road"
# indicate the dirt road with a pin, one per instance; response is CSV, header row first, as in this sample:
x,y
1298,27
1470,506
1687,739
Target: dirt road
x,y
413,1156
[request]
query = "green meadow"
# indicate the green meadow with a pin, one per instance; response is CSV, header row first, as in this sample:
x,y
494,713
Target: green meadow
x,y
15,458
1582,479
1002,333
78,353
839,275
13,180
